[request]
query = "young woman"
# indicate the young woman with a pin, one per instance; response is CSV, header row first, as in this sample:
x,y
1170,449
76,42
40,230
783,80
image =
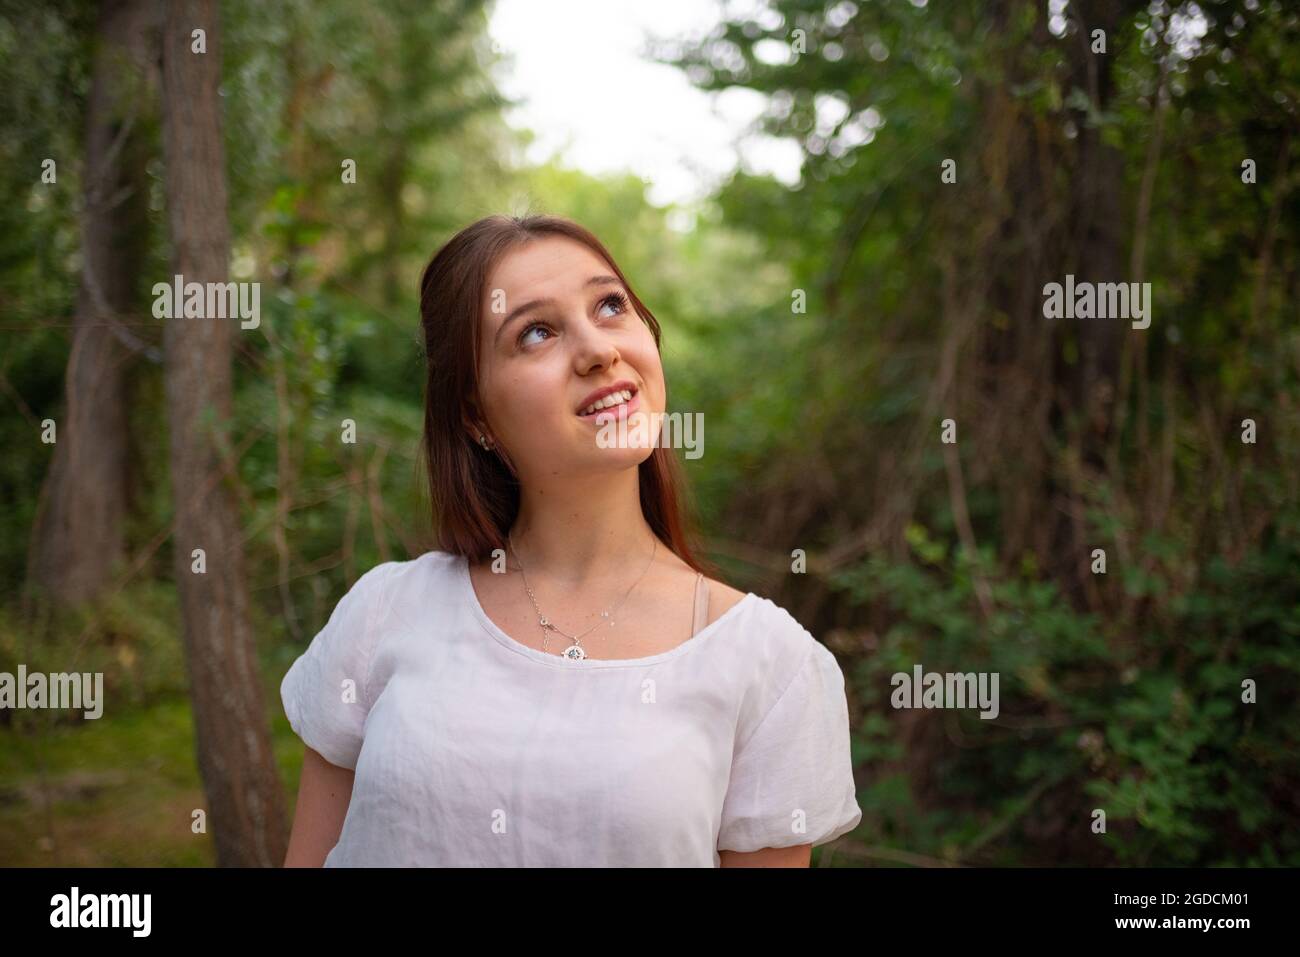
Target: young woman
x,y
558,684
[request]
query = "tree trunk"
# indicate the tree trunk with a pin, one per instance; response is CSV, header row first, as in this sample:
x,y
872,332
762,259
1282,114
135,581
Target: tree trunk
x,y
233,739
79,538
1099,241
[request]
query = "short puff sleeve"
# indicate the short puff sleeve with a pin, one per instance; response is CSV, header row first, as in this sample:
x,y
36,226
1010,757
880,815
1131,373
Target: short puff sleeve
x,y
324,692
792,778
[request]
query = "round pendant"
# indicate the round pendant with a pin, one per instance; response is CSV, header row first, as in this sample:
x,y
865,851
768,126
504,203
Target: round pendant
x,y
574,653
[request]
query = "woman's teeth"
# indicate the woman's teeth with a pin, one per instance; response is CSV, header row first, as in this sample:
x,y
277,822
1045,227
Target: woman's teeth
x,y
614,398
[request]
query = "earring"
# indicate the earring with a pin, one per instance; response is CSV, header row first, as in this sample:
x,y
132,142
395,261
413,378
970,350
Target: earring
x,y
482,440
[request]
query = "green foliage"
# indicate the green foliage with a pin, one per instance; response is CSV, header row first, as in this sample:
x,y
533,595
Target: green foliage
x,y
1120,691
1148,726
129,636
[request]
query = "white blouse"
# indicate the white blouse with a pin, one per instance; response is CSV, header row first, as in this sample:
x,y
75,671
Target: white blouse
x,y
472,749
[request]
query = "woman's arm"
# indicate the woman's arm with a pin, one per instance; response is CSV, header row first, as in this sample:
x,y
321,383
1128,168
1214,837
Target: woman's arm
x,y
798,856
324,792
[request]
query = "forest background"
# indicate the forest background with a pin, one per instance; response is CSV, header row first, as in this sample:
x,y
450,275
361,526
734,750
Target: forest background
x,y
1112,524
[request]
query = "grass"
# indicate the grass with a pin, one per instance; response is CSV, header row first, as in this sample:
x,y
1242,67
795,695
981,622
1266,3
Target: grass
x,y
119,791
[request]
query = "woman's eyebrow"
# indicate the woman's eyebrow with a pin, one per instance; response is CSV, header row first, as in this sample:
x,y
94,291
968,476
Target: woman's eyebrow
x,y
519,311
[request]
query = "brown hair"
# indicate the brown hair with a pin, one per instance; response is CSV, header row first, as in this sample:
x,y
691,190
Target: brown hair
x,y
473,492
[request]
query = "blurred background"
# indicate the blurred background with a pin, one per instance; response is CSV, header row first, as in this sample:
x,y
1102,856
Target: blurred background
x,y
844,215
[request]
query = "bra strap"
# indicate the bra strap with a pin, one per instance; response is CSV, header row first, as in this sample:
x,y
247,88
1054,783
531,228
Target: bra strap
x,y
701,604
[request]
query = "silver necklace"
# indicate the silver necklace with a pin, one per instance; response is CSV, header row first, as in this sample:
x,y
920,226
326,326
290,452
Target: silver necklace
x,y
575,651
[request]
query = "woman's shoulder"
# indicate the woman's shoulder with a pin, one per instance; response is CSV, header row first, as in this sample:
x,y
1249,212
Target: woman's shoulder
x,y
389,579
769,652
770,632
722,598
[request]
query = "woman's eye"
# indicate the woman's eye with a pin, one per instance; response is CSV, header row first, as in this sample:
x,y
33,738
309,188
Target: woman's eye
x,y
524,334
616,300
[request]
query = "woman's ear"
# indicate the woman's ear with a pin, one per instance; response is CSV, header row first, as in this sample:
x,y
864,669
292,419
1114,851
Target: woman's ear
x,y
475,428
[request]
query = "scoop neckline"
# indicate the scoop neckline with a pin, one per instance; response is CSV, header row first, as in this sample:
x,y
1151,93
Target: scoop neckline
x,y
556,661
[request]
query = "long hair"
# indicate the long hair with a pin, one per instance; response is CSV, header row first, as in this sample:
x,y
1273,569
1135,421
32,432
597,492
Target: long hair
x,y
473,492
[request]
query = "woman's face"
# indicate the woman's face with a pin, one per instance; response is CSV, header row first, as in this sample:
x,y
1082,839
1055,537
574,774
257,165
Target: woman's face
x,y
558,326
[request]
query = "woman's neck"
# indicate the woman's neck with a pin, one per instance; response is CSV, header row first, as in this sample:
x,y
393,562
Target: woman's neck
x,y
573,534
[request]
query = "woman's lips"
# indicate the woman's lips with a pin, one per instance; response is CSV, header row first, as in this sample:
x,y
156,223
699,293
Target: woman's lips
x,y
620,411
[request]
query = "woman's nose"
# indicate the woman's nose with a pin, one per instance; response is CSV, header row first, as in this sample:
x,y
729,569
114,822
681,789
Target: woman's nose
x,y
593,346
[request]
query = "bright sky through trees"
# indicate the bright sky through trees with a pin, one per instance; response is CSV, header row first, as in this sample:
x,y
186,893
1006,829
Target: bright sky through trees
x,y
593,96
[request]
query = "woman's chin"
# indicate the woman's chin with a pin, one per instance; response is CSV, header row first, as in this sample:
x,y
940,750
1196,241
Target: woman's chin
x,y
636,432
